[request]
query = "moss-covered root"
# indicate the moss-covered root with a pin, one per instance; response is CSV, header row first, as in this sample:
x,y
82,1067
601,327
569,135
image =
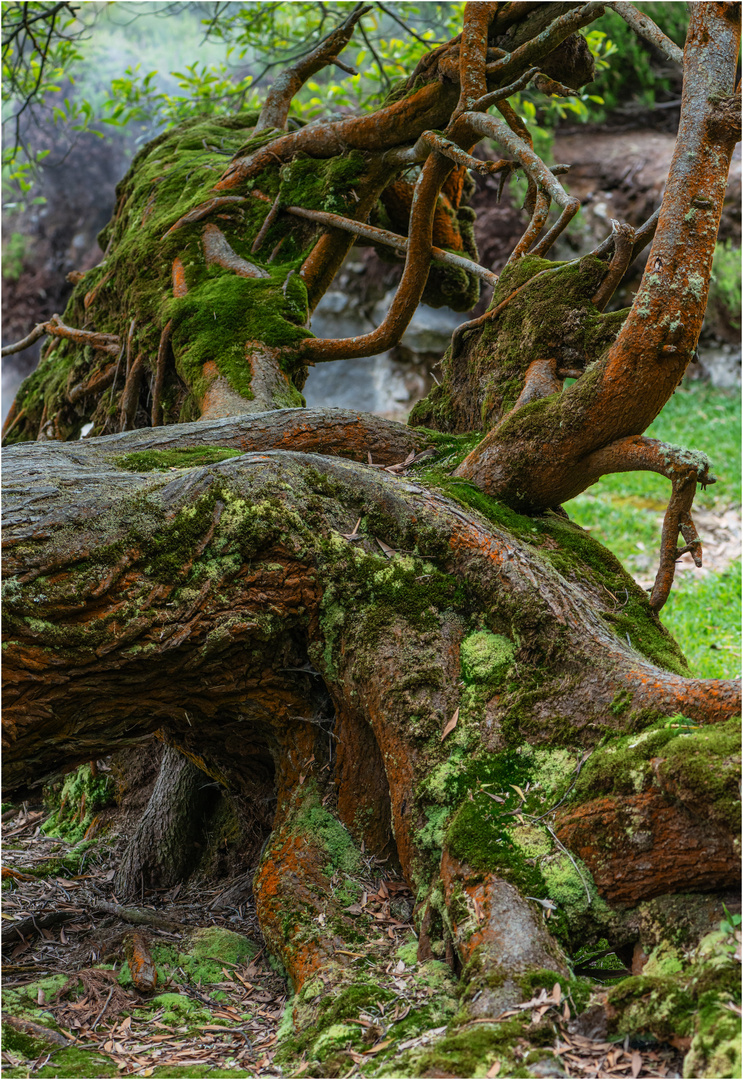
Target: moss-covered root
x,y
307,879
690,997
494,928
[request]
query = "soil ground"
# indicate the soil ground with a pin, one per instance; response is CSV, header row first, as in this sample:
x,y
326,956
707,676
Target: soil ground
x,y
228,1025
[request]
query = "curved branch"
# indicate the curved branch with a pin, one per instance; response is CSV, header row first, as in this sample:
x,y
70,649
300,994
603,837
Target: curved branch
x,y
645,28
279,98
39,331
624,237
493,128
413,281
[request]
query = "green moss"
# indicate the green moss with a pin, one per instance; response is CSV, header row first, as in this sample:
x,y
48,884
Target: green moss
x,y
485,657
335,1037
219,316
76,802
686,994
180,1009
186,458
207,950
701,764
321,183
69,1062
471,1052
340,848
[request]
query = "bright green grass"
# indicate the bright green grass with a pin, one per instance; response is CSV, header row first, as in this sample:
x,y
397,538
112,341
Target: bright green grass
x,y
704,617
624,512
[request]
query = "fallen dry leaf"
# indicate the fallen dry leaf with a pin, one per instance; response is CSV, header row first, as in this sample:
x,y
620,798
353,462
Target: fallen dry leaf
x,y
378,1046
493,1070
450,724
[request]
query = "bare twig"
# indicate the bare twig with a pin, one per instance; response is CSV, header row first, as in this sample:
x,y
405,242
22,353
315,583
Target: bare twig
x,y
38,332
267,223
390,239
624,236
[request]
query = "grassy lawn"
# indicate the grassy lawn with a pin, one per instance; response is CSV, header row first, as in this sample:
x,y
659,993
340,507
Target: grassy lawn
x,y
623,512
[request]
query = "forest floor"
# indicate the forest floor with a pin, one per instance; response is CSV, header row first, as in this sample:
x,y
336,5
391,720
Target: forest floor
x,y
70,1008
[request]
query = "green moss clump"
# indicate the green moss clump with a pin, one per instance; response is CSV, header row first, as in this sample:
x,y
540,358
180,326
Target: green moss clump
x,y
686,994
207,950
700,765
220,315
340,848
69,1062
485,656
75,804
470,1053
185,458
321,184
180,1009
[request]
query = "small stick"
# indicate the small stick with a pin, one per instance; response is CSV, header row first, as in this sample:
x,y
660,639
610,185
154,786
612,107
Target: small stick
x,y
267,223
38,331
105,1006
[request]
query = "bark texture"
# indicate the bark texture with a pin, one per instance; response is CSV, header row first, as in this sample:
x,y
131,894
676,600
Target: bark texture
x,y
394,630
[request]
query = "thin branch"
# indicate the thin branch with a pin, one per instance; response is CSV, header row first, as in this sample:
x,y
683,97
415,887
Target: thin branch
x,y
624,237
406,28
288,83
38,332
267,223
390,239
535,226
504,92
645,28
544,178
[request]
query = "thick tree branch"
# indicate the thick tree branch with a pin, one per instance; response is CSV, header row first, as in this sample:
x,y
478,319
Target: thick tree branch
x,y
645,28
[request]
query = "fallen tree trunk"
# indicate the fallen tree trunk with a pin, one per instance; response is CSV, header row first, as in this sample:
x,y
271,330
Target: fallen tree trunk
x,y
323,622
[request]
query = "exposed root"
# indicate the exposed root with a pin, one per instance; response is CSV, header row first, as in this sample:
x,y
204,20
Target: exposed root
x,y
204,210
218,251
157,391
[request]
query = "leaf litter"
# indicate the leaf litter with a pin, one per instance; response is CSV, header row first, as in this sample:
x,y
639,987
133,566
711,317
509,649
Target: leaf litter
x,y
238,1031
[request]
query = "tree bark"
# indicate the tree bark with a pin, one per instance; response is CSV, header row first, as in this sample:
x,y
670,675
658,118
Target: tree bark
x,y
357,615
165,847
235,607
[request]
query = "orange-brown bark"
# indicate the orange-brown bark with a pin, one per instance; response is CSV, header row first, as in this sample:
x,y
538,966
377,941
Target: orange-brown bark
x,y
641,846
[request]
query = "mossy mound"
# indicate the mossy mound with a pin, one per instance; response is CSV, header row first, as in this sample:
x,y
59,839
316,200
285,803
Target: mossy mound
x,y
687,995
209,947
698,765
